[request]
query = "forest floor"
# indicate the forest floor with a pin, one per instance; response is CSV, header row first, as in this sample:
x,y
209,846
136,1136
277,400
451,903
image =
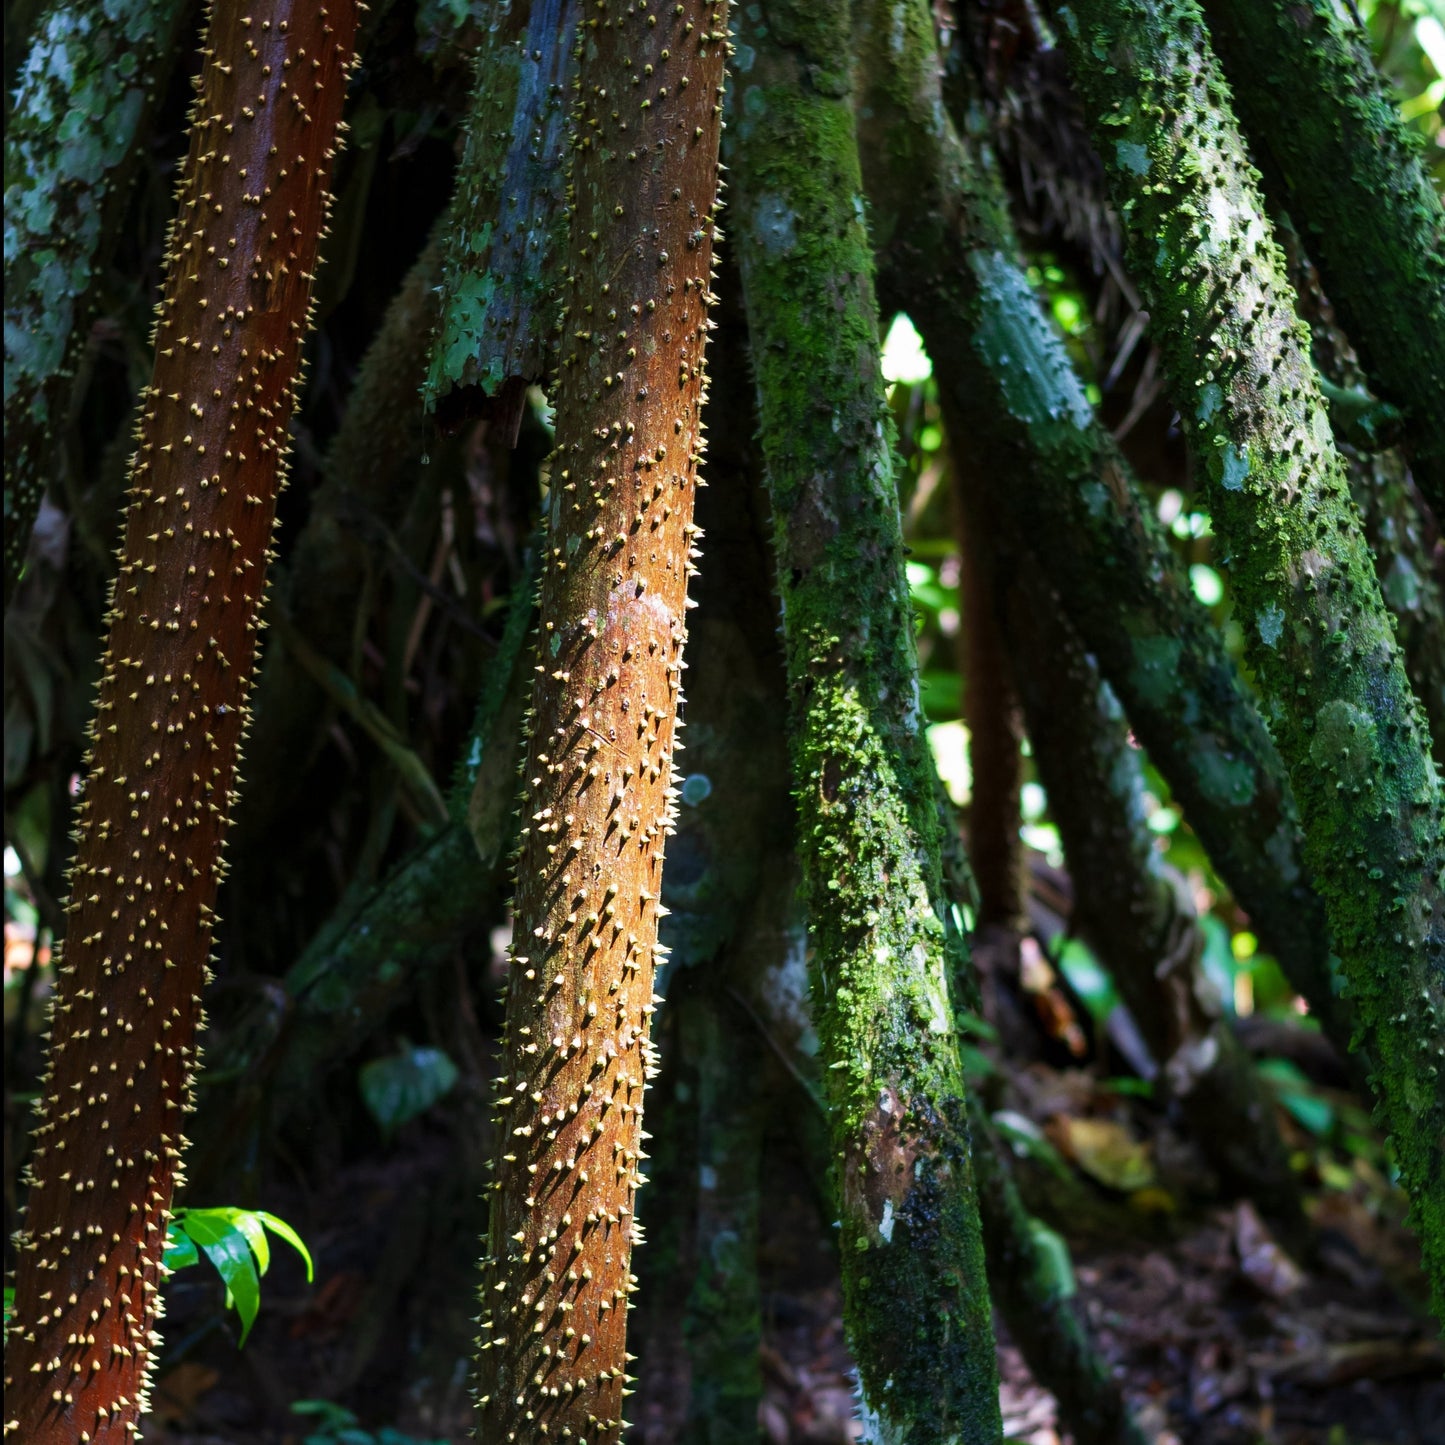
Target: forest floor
x,y
1220,1337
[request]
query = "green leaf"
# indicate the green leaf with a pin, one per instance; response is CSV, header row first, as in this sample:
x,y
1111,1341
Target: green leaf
x,y
180,1249
284,1230
1025,1137
1294,1092
230,1251
405,1084
1055,1269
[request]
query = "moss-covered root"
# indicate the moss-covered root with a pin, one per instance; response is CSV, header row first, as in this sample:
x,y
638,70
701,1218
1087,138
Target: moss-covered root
x,y
82,95
947,254
1033,1281
507,223
643,137
1138,919
1398,526
180,649
1306,88
915,1293
1319,635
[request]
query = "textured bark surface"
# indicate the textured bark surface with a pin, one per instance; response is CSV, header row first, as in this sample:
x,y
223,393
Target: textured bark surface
x,y
915,1293
1308,92
1318,633
83,93
173,699
508,218
597,785
948,255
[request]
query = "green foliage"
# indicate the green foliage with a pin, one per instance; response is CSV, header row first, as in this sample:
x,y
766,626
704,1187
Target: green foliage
x,y
235,1241
336,1425
405,1084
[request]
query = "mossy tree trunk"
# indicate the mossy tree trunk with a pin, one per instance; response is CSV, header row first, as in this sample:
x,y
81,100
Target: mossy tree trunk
x,y
948,256
84,93
179,654
915,1293
598,794
1318,633
1355,183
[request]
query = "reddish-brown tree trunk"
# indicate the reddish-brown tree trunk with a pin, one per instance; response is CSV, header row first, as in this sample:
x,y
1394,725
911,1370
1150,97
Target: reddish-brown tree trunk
x,y
643,181
178,661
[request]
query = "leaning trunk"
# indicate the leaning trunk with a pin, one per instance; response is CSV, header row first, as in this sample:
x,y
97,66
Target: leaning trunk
x,y
179,655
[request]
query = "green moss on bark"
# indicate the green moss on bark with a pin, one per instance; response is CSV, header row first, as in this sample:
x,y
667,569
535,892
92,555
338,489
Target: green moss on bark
x,y
916,1296
1306,88
1026,431
508,218
1319,635
82,95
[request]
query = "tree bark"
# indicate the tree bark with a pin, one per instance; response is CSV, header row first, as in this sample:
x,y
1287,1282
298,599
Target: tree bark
x,y
949,257
173,701
1319,636
1354,181
915,1292
597,790
84,94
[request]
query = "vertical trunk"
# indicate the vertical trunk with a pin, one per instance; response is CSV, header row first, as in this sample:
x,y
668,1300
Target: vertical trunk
x,y
597,789
949,257
1354,181
83,95
173,701
915,1293
1319,636
995,735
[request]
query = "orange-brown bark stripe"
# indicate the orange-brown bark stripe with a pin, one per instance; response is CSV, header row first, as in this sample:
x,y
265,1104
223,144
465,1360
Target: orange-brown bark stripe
x,y
598,800
180,650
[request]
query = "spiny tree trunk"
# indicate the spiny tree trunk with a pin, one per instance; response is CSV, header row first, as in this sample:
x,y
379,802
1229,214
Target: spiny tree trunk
x,y
1319,636
85,91
915,1294
1354,181
179,654
597,790
948,255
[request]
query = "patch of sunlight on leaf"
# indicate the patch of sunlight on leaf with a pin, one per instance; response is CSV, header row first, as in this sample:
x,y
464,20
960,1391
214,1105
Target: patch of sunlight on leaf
x,y
1208,587
1044,838
904,358
949,742
1088,978
1034,802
